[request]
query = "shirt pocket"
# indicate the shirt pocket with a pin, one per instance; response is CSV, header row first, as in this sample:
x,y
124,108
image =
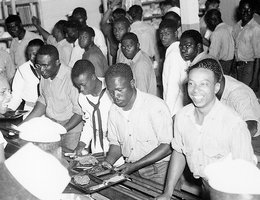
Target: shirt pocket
x,y
213,149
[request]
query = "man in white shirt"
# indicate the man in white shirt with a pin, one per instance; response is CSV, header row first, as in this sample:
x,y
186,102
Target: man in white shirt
x,y
174,67
92,95
80,15
26,80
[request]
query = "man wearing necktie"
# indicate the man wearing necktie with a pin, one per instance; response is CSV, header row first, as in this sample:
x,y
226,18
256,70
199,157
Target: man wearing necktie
x,y
26,80
95,103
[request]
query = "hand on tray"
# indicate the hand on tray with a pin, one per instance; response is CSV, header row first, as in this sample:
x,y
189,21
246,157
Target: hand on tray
x,y
126,168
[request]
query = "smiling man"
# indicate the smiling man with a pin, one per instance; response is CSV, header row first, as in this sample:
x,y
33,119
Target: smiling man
x,y
59,98
139,127
205,131
141,65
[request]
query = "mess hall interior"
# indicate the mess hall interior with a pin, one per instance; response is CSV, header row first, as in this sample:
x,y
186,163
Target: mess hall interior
x,y
129,99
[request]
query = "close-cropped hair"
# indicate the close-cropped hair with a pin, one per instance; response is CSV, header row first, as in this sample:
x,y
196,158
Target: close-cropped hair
x,y
122,20
119,70
210,64
49,50
213,12
81,67
130,36
13,18
72,24
88,30
119,12
61,26
136,12
195,35
168,23
35,42
173,16
250,2
79,11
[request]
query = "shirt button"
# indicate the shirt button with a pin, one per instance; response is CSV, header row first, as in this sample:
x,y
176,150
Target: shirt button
x,y
130,135
132,148
199,149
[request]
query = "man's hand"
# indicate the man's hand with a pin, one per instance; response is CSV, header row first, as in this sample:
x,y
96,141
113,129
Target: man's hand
x,y
126,168
36,21
106,165
163,197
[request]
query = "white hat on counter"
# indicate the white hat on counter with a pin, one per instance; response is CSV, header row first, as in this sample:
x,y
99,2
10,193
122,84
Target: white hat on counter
x,y
38,172
234,176
41,129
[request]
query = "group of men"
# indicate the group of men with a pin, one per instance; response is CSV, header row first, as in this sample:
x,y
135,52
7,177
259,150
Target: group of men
x,y
204,116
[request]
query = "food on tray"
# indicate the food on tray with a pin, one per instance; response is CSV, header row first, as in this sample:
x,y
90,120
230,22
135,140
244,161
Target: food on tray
x,y
87,160
95,169
81,179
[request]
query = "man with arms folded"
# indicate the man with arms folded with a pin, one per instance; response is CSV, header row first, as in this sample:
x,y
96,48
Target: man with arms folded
x,y
139,127
205,131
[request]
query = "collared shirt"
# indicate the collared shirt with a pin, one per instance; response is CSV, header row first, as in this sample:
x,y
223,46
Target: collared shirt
x,y
18,47
120,57
60,96
94,55
6,65
148,125
242,99
24,87
146,34
144,75
247,46
222,133
222,44
64,48
77,52
174,76
104,107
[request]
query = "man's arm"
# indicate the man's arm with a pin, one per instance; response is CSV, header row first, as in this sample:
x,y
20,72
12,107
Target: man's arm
x,y
113,154
157,154
175,170
36,22
38,110
252,127
74,121
255,81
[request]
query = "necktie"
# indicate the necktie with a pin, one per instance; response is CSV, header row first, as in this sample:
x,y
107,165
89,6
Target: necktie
x,y
97,110
38,85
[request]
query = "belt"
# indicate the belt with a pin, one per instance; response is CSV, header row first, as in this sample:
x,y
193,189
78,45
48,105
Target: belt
x,y
243,62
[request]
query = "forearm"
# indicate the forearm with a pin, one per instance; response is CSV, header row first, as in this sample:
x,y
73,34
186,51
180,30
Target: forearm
x,y
106,16
2,153
157,154
45,34
74,121
38,110
175,170
252,127
114,153
256,69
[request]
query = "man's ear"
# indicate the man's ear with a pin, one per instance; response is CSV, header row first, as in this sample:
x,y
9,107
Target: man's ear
x,y
92,39
57,62
129,29
199,47
138,45
132,83
217,87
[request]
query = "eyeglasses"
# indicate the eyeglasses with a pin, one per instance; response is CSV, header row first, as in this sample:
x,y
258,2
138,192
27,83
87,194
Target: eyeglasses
x,y
40,66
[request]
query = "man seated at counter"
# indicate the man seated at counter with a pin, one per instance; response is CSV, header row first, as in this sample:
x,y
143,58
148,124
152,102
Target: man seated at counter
x,y
59,98
205,131
139,127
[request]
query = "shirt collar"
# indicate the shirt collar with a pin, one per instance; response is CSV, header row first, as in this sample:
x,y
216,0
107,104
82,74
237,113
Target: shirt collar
x,y
173,46
137,56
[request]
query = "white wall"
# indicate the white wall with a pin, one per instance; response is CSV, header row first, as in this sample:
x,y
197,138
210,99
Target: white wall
x,y
227,8
54,10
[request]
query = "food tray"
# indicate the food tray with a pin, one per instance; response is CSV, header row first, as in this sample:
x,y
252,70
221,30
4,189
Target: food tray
x,y
96,183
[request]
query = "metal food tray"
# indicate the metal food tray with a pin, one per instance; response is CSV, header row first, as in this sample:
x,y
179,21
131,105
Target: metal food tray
x,y
95,184
14,114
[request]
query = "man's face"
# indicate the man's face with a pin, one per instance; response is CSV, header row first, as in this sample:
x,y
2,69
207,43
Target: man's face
x,y
167,36
84,40
72,35
129,48
85,83
5,95
80,18
14,29
56,33
120,90
47,66
31,53
188,49
202,88
119,30
246,13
